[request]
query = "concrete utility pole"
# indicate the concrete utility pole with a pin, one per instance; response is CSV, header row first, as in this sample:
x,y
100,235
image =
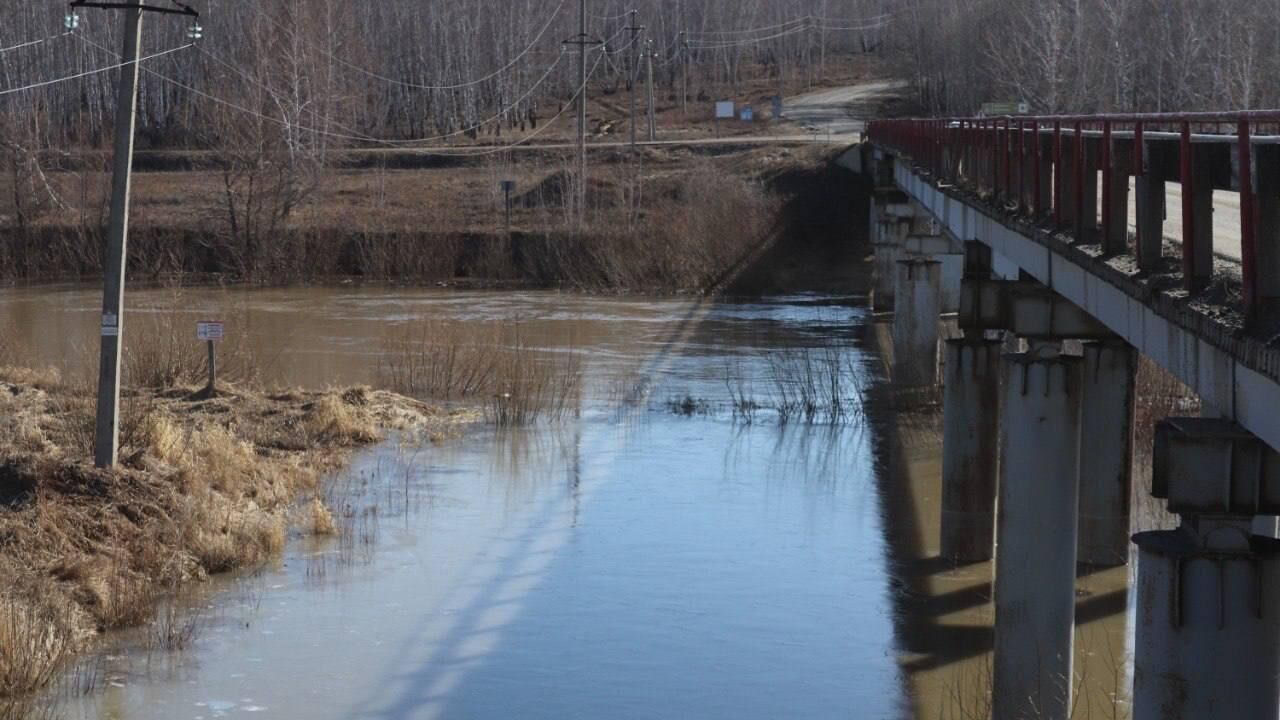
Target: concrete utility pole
x,y
583,42
106,428
684,74
633,72
653,130
582,110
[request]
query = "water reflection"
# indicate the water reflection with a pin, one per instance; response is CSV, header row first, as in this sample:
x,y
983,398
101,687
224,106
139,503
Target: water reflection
x,y
628,563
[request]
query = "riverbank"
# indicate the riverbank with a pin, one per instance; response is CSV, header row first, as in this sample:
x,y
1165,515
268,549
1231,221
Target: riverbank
x,y
205,486
666,220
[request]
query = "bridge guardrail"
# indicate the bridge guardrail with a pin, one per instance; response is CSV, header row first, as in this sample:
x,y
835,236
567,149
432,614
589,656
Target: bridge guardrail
x,y
1048,165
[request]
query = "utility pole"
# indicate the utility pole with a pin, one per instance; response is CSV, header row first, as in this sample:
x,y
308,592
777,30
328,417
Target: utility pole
x,y
106,428
582,111
633,73
583,42
648,54
822,64
684,68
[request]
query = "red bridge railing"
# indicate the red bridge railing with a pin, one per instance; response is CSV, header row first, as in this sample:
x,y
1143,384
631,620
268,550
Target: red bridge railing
x,y
1048,167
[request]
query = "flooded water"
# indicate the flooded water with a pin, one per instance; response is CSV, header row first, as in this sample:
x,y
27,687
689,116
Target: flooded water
x,y
666,551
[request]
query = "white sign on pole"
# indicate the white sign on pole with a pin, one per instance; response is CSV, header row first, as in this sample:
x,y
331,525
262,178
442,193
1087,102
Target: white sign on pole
x,y
748,114
725,109
110,325
209,330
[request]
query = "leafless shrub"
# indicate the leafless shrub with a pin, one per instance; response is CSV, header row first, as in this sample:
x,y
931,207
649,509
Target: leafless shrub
x,y
38,634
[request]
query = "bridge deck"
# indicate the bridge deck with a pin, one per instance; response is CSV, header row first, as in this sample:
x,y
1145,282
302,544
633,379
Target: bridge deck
x,y
1204,346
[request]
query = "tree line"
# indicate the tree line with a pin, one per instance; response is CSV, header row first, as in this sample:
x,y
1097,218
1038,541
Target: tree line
x,y
1090,55
341,72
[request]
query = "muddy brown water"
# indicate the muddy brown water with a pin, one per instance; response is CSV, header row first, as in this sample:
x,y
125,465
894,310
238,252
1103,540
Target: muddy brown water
x,y
654,555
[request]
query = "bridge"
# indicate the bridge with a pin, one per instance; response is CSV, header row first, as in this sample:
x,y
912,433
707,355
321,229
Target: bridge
x,y
1066,246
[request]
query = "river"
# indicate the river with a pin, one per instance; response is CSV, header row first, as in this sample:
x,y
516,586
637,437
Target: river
x,y
655,554
664,551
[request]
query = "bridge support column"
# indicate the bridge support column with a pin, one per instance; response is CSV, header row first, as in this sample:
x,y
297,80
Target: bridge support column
x,y
1105,470
916,312
1208,606
1036,535
938,245
970,447
888,250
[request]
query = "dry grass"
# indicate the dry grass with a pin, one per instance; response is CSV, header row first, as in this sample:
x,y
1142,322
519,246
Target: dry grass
x,y
670,220
320,518
205,486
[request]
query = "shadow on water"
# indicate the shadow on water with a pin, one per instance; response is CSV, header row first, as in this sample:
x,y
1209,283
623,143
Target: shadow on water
x,y
619,650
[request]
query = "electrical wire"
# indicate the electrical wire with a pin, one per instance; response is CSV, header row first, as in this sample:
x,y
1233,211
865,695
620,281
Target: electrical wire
x,y
610,18
415,86
802,20
795,25
95,71
467,152
354,134
33,43
395,144
747,41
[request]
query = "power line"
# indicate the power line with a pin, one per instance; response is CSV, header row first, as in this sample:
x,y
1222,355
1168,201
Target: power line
x,y
713,44
327,133
468,152
707,45
33,43
415,86
794,25
95,71
747,31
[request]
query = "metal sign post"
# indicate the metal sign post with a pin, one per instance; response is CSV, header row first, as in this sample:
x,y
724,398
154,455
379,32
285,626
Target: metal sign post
x,y
210,331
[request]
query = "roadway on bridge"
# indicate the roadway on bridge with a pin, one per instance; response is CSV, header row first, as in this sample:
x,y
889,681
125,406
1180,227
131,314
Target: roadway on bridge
x,y
840,114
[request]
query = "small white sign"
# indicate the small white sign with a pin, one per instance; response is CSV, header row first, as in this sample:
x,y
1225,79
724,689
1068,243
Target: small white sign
x,y
725,109
209,330
110,325
748,114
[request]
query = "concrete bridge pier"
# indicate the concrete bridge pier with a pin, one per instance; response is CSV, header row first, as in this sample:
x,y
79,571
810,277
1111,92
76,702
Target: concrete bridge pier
x,y
1208,606
916,312
1036,536
892,224
932,242
970,448
1105,470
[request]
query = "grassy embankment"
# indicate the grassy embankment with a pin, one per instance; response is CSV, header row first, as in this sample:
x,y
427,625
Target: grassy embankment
x,y
665,221
205,486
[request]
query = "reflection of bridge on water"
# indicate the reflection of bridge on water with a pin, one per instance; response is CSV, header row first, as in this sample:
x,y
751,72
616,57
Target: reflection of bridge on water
x,y
1022,227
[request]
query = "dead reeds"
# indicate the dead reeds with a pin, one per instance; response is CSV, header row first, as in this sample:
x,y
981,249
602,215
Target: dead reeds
x,y
812,386
497,366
